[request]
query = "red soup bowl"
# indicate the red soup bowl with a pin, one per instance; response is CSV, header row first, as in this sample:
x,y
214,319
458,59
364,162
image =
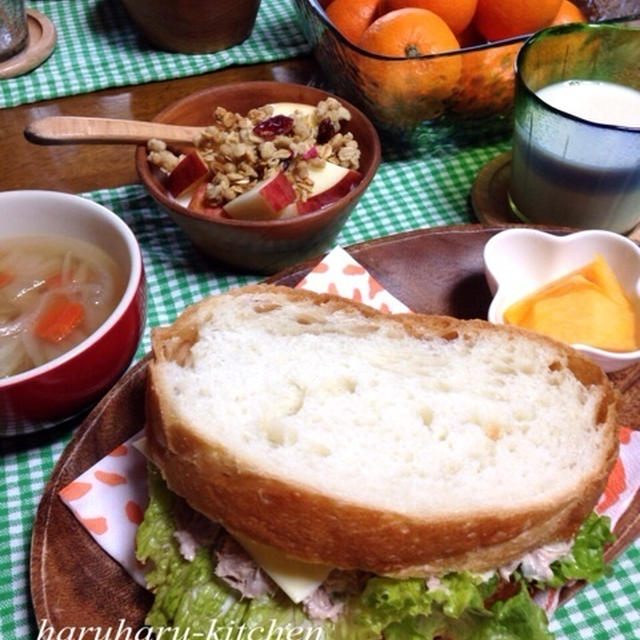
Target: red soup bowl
x,y
50,393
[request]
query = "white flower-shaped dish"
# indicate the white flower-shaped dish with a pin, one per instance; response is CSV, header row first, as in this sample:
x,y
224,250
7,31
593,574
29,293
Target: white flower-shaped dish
x,y
519,261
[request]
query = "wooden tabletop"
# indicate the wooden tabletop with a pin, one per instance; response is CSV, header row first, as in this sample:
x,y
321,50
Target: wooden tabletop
x,y
79,168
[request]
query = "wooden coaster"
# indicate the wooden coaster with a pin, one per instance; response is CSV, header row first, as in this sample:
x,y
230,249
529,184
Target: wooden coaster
x,y
490,194
42,41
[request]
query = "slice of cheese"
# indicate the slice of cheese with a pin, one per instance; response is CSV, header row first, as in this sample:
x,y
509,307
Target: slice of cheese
x,y
296,578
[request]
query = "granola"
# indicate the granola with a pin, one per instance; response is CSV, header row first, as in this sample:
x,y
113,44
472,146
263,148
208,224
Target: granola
x,y
241,151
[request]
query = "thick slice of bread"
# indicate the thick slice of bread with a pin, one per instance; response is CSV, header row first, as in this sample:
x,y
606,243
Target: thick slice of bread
x,y
403,445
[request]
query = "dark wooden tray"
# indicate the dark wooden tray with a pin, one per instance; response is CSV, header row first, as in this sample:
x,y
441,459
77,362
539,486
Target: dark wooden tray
x,y
75,583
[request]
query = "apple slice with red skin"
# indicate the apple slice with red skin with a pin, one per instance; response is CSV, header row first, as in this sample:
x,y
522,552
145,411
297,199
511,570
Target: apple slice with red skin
x,y
331,194
264,201
330,183
199,204
187,174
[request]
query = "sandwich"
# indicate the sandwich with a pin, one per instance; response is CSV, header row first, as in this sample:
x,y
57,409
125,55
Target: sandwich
x,y
319,469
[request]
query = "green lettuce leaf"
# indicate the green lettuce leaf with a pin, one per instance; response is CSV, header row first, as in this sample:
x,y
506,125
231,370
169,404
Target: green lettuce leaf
x,y
408,610
192,602
586,560
518,618
186,593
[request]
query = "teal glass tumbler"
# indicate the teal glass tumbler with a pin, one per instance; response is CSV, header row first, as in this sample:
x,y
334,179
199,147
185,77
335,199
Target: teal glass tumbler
x,y
576,139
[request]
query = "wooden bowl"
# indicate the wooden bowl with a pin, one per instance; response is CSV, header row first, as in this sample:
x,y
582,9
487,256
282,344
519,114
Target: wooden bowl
x,y
193,26
263,247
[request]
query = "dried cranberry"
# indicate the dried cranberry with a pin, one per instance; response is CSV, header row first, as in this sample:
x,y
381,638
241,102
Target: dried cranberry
x,y
326,131
273,126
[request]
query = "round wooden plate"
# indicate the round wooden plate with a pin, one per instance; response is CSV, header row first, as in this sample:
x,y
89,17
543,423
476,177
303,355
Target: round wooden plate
x,y
75,583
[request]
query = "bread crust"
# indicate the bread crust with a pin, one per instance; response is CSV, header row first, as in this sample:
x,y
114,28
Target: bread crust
x,y
314,527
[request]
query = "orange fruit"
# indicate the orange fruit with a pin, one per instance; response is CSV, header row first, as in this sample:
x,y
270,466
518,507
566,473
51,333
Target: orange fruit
x,y
352,17
408,33
487,81
413,89
498,19
568,12
456,13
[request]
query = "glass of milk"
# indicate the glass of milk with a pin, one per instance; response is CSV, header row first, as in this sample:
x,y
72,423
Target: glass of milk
x,y
576,142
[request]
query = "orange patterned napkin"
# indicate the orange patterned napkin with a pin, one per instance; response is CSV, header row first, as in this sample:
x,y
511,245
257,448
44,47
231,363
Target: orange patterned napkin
x,y
341,275
109,500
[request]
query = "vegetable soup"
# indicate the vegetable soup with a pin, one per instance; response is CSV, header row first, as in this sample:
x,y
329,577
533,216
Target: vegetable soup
x,y
55,291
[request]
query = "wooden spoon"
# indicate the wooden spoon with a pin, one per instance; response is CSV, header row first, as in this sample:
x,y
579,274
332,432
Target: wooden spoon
x,y
83,130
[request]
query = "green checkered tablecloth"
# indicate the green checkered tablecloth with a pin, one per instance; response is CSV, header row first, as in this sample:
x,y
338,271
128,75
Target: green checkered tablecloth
x,y
423,189
98,47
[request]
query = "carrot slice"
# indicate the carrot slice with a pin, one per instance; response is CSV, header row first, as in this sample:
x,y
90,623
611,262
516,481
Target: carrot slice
x,y
6,277
59,319
54,281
